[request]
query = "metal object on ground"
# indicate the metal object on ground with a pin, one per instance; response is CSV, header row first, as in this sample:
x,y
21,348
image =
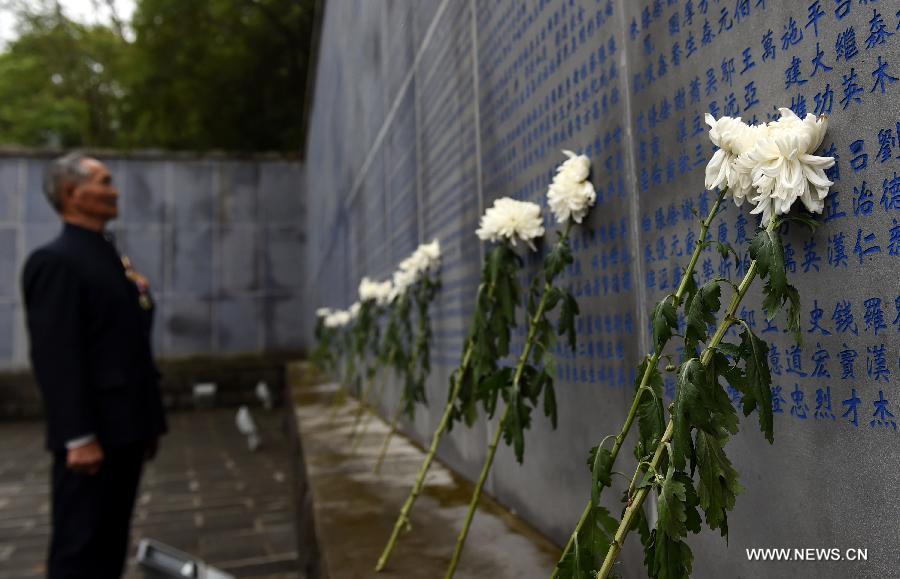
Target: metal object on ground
x,y
161,561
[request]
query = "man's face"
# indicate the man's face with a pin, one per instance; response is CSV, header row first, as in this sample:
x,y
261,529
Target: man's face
x,y
96,197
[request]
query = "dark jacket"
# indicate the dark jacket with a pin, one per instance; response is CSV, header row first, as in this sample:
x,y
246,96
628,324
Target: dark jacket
x,y
90,343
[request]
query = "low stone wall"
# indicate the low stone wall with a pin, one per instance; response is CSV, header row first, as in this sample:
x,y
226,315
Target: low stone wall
x,y
236,378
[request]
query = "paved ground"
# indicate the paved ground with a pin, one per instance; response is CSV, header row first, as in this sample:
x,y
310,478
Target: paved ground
x,y
355,508
206,494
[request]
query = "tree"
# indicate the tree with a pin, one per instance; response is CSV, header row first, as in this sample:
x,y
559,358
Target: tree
x,y
226,74
60,82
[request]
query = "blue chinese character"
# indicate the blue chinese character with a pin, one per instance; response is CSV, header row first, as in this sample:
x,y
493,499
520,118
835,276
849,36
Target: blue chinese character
x,y
847,358
852,404
725,21
748,60
837,255
890,193
731,107
861,160
688,13
843,318
815,13
774,360
886,141
815,317
707,36
834,173
750,98
863,201
792,74
799,409
789,262
810,258
824,101
708,271
798,105
728,71
817,61
794,358
823,404
777,400
896,321
845,45
710,81
881,75
768,45
876,364
877,31
843,7
820,358
882,416
894,244
874,315
862,250
852,90
792,34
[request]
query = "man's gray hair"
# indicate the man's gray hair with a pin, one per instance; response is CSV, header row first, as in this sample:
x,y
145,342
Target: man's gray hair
x,y
69,167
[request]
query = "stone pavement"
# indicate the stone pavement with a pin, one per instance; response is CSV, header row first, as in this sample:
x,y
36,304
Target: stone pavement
x,y
205,494
355,508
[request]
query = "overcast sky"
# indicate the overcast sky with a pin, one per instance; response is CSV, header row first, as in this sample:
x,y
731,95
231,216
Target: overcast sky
x,y
81,10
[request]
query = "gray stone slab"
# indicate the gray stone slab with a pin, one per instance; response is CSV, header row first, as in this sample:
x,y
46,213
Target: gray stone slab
x,y
142,187
285,262
280,192
241,263
238,325
9,248
10,194
192,260
37,208
187,325
192,193
238,192
7,333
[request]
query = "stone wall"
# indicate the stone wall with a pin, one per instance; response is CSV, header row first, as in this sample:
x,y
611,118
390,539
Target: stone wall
x,y
425,111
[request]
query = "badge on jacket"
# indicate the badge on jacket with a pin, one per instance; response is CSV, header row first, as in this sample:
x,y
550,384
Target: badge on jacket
x,y
141,282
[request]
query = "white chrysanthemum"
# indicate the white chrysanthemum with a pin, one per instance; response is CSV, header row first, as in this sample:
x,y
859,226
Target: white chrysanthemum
x,y
571,195
368,289
430,254
510,219
385,292
323,312
734,138
783,166
337,319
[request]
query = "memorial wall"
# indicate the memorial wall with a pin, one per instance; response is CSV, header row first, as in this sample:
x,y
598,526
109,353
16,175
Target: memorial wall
x,y
425,112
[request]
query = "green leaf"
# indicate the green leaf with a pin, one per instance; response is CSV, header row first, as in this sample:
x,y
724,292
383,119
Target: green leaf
x,y
701,403
567,318
591,546
600,462
757,389
549,400
677,508
668,558
793,315
650,413
718,481
768,252
665,321
725,249
701,312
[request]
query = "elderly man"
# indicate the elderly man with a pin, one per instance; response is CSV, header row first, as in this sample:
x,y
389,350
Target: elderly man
x,y
89,318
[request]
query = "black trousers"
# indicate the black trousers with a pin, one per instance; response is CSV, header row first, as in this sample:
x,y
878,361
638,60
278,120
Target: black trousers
x,y
92,515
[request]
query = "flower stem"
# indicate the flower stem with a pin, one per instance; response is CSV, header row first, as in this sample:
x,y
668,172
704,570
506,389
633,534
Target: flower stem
x,y
476,496
492,448
403,517
648,371
387,439
637,501
372,409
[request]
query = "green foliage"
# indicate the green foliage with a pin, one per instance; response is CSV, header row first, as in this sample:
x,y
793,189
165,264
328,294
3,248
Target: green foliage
x,y
650,414
583,560
756,390
667,558
718,480
768,251
665,321
701,311
678,503
205,74
62,83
